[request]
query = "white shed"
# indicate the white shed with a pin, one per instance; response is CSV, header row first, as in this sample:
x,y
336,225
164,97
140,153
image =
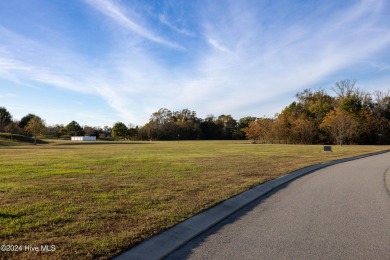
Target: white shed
x,y
83,138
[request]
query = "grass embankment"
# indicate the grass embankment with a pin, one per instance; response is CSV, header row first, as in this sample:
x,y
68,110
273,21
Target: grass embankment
x,y
93,200
7,139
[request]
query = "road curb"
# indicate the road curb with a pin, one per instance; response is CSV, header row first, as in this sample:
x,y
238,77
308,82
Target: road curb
x,y
163,244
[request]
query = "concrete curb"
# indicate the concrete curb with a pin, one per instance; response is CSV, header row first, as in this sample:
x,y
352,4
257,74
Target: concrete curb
x,y
168,241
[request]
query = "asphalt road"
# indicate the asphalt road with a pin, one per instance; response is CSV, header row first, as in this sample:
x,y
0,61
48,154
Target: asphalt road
x,y
340,212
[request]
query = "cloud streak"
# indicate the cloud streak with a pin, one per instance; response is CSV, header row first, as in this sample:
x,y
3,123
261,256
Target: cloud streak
x,y
164,20
117,13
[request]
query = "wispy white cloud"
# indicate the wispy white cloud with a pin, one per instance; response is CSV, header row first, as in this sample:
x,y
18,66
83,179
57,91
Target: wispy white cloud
x,y
217,45
118,14
11,64
164,20
7,95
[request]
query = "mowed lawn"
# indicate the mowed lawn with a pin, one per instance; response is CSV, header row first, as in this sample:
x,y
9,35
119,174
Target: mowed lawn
x,y
93,200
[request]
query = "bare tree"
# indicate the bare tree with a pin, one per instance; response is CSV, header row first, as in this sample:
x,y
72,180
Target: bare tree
x,y
382,99
344,88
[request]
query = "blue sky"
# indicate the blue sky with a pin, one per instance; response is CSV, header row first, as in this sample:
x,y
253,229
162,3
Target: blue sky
x,y
100,61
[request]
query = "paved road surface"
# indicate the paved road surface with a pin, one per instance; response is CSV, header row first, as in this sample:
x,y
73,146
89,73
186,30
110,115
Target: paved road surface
x,y
340,212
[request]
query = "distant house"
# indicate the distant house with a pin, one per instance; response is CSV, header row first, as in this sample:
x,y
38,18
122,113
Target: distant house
x,y
83,138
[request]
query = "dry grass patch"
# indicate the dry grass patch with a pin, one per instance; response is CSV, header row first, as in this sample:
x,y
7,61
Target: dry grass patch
x,y
93,200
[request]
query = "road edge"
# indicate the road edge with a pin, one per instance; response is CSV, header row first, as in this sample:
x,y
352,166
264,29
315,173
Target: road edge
x,y
163,244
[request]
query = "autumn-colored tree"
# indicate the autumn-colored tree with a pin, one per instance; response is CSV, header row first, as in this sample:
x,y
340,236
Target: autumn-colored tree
x,y
253,132
281,128
341,125
260,130
303,131
266,129
36,126
374,129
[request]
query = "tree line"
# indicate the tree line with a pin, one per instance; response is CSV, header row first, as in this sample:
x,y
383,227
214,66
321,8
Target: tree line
x,y
352,116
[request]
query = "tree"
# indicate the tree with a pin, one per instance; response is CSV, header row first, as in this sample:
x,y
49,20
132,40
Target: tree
x,y
150,130
119,130
74,129
5,118
253,132
185,125
210,129
315,104
352,104
344,88
36,126
242,124
229,125
105,132
341,125
350,98
281,127
382,103
14,128
167,125
133,132
55,131
24,121
303,131
162,116
91,131
63,132
184,115
260,130
374,128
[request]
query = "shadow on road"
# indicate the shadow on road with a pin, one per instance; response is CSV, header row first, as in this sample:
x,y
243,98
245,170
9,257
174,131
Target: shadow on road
x,y
186,250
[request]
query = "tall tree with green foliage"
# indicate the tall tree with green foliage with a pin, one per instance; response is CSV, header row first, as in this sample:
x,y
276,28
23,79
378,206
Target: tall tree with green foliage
x,y
5,118
211,128
24,121
119,130
74,129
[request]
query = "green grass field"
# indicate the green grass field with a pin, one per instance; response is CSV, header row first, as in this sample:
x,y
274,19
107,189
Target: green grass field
x,y
93,200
